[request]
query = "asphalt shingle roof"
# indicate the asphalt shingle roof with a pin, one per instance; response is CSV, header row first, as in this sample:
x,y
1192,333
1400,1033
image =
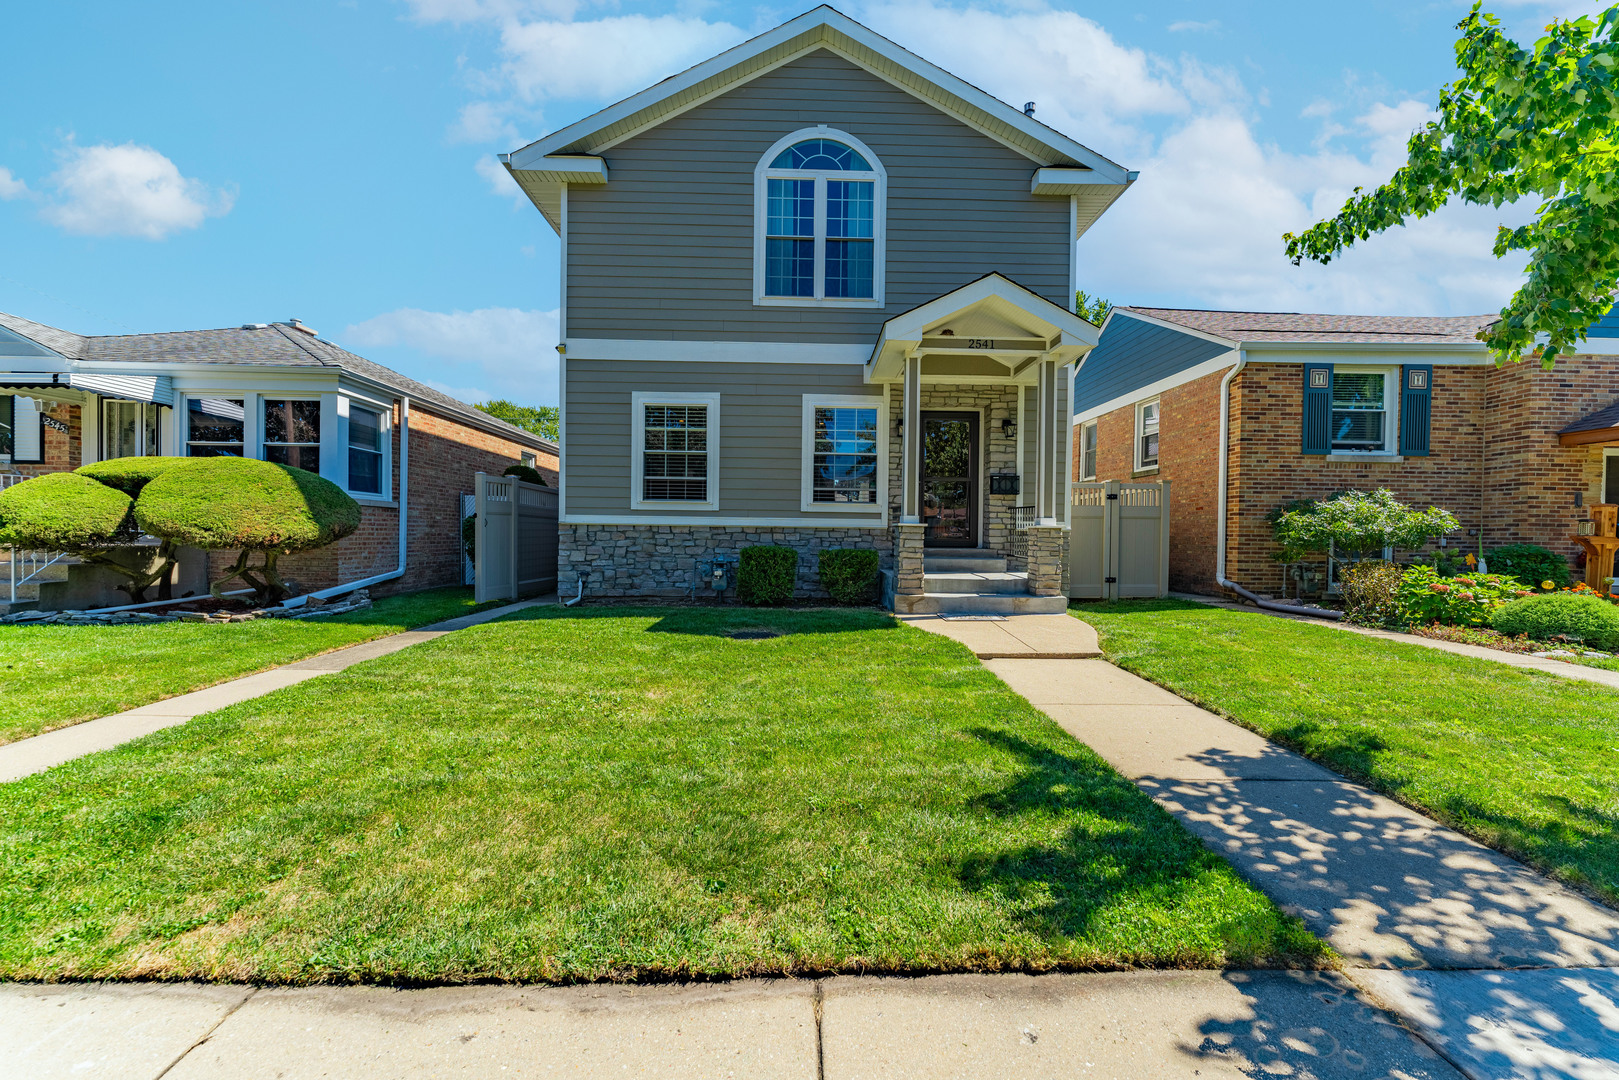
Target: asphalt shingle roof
x,y
1283,326
272,345
1597,421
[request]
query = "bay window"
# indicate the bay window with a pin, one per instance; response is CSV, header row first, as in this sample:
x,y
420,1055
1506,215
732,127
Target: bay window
x,y
215,427
365,450
292,433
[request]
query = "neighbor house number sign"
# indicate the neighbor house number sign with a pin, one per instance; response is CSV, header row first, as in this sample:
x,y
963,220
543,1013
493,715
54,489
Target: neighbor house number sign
x,y
53,423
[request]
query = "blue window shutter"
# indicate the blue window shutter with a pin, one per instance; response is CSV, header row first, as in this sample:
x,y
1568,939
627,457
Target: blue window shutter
x,y
1416,408
1317,408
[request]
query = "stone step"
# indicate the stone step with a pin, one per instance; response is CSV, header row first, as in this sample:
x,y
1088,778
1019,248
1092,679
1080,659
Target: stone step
x,y
963,582
987,563
980,603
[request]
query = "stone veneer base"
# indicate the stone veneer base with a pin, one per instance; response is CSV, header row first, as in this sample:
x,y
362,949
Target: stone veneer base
x,y
661,561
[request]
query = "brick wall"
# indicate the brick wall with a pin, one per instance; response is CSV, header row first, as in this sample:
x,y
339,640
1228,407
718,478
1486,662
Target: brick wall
x,y
61,453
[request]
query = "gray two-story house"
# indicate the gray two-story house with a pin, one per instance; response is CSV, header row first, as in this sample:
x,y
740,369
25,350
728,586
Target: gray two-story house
x,y
818,292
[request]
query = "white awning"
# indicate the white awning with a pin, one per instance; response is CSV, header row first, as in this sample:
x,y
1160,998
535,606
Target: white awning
x,y
158,389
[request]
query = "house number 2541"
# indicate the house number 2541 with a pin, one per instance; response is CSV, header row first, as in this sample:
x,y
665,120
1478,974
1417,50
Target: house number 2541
x,y
980,343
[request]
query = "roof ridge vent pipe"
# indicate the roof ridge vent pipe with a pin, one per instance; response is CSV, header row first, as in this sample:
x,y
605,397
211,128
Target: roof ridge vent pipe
x,y
1028,109
297,324
1220,522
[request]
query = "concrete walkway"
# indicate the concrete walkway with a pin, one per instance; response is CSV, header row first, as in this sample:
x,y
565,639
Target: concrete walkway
x,y
1549,666
1124,1026
1506,972
29,756
1027,637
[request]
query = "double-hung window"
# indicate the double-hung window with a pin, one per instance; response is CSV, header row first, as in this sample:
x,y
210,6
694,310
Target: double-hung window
x,y
675,457
365,450
129,429
1087,451
843,453
292,433
215,427
1147,435
820,199
1361,411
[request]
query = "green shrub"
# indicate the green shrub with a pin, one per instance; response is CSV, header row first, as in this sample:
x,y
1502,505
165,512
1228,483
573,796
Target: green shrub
x,y
526,473
1464,600
1592,621
849,575
229,503
1355,523
765,575
64,512
1531,564
130,474
1371,593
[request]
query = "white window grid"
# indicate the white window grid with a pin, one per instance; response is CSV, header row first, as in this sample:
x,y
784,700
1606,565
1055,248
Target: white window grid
x,y
878,177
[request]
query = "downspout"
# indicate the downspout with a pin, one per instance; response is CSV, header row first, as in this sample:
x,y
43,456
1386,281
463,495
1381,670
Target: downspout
x,y
1220,525
404,513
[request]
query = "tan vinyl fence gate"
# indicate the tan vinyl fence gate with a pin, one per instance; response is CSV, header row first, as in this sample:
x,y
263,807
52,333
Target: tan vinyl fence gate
x,y
515,552
1119,544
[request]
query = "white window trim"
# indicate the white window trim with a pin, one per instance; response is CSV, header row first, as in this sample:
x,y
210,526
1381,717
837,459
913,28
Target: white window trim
x,y
385,416
1096,451
1141,432
639,400
250,426
264,441
879,225
806,492
1392,389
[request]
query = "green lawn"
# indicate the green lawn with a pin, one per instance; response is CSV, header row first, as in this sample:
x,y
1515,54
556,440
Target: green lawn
x,y
53,676
613,793
1525,762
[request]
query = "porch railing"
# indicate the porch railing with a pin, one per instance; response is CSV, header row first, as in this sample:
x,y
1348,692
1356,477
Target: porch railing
x,y
25,566
1024,517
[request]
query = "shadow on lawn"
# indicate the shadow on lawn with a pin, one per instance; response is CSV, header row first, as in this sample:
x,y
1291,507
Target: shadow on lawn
x,y
1068,883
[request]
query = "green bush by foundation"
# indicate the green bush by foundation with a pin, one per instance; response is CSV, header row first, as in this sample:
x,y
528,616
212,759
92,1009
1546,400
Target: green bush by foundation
x,y
1594,622
1464,600
849,575
765,575
1531,564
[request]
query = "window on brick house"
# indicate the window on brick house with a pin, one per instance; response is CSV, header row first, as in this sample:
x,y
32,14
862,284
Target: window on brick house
x,y
1361,410
292,433
1147,435
214,427
365,450
1087,451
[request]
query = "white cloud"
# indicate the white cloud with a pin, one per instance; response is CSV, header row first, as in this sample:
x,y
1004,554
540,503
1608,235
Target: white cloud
x,y
11,187
474,355
605,59
129,190
1187,26
481,122
499,180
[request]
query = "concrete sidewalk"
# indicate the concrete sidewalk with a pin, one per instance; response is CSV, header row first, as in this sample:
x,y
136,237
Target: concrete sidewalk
x,y
1028,637
1124,1026
29,756
1507,972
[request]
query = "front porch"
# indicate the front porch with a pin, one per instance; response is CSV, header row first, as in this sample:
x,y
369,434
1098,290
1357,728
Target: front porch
x,y
979,383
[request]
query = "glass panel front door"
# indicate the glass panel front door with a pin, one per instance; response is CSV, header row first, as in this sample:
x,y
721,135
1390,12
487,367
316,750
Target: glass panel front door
x,y
949,479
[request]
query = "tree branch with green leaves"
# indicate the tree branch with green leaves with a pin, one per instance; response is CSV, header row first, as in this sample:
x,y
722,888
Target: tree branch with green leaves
x,y
1540,122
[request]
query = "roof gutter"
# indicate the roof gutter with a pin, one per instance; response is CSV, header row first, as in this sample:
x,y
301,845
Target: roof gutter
x,y
1220,519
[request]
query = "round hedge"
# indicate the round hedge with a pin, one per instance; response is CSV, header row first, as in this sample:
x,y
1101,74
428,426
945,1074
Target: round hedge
x,y
526,473
765,574
1594,621
243,504
130,474
849,575
64,512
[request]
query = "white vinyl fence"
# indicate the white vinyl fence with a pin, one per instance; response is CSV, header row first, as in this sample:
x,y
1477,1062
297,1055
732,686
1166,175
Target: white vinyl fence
x,y
516,547
1119,546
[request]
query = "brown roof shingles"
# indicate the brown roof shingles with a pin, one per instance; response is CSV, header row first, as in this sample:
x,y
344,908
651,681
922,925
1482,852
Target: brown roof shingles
x,y
1286,326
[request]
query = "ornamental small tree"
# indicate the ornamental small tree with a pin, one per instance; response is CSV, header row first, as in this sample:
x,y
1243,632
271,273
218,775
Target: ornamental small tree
x,y
1359,524
79,516
248,506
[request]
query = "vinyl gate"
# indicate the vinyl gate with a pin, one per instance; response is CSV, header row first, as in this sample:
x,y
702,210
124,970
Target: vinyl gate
x,y
515,552
1119,544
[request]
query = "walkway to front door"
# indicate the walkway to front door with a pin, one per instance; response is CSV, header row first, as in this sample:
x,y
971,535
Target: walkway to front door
x,y
949,479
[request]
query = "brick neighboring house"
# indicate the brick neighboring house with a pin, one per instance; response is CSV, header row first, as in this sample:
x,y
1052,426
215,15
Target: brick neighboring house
x,y
1321,403
275,391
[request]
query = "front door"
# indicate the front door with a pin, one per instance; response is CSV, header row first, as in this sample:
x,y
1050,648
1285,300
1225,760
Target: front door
x,y
949,479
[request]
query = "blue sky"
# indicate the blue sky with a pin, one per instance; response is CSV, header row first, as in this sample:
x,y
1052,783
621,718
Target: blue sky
x,y
203,164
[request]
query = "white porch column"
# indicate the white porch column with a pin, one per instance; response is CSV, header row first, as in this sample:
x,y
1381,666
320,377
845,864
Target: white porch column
x,y
1048,458
911,442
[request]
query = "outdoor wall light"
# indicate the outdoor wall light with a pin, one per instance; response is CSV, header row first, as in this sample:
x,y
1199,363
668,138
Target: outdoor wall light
x,y
1009,428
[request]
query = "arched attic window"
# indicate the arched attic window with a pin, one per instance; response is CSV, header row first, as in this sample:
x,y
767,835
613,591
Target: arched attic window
x,y
820,202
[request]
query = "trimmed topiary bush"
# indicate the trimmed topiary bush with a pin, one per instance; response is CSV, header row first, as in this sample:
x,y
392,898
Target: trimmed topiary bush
x,y
130,474
849,575
1531,564
1593,621
229,503
765,575
64,512
526,473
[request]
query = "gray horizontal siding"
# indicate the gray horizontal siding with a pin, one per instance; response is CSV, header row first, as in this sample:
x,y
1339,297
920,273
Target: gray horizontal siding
x,y
1133,354
761,424
665,249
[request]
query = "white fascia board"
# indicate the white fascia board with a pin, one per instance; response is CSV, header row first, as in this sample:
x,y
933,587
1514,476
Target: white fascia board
x,y
1229,343
909,325
737,352
1180,378
1373,352
822,27
1060,180
562,169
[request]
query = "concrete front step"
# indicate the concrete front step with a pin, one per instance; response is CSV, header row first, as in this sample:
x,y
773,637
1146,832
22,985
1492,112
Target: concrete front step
x,y
979,603
962,560
994,582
